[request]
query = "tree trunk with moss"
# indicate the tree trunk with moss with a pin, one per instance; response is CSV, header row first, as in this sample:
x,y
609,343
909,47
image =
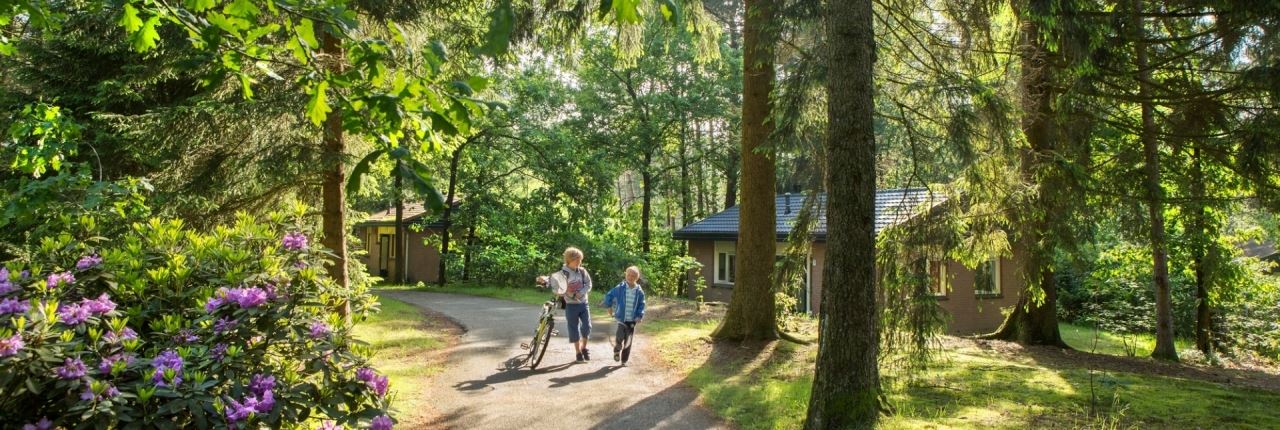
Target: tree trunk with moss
x,y
751,313
1035,319
846,382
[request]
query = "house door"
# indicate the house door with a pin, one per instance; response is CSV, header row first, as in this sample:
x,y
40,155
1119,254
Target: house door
x,y
384,254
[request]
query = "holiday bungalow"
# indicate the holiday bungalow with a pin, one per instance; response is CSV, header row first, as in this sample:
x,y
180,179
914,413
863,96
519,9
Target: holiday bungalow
x,y
378,233
975,299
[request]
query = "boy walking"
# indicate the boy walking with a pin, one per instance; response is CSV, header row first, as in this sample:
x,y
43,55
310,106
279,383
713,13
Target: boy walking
x,y
626,305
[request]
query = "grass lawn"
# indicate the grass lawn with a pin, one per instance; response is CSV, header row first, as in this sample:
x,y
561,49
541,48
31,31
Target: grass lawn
x,y
973,386
404,341
1123,345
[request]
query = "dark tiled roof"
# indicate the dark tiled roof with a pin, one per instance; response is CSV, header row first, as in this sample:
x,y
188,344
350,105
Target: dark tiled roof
x,y
1257,249
413,213
892,207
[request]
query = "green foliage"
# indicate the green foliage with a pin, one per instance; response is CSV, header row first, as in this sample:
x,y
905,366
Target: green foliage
x,y
235,304
41,138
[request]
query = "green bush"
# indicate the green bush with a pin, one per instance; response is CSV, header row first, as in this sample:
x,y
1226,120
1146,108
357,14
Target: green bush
x,y
173,328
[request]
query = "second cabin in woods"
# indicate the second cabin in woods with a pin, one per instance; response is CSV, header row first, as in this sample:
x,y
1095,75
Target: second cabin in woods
x,y
975,299
378,233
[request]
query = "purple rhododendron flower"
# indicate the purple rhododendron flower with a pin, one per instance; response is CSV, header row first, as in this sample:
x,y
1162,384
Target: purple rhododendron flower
x,y
219,351
107,393
88,262
380,385
249,297
329,425
13,306
108,363
186,335
43,424
223,325
72,368
294,241
56,279
260,400
125,334
301,265
261,384
11,345
217,300
73,314
319,330
6,282
381,422
365,374
167,360
99,306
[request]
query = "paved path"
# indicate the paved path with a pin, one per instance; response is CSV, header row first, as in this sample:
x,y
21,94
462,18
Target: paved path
x,y
477,391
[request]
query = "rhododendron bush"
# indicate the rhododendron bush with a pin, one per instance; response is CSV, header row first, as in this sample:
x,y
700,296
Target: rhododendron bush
x,y
173,328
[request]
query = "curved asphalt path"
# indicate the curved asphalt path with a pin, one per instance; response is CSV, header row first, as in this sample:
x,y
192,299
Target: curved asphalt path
x,y
478,390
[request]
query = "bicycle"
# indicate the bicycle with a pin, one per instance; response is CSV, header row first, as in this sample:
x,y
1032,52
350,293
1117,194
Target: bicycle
x,y
542,334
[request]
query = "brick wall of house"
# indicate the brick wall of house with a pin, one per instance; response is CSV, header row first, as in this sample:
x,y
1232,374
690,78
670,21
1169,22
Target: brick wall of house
x,y
423,261
969,314
704,252
973,314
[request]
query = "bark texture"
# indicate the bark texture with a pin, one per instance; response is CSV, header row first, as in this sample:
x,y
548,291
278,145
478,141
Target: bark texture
x,y
1165,349
1035,320
447,218
1200,239
333,207
401,241
751,313
846,383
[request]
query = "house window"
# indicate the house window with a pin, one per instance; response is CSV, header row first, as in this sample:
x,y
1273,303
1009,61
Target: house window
x,y
725,263
942,283
987,278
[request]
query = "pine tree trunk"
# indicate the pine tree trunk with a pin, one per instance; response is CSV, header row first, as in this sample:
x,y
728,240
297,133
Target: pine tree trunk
x,y
686,199
698,171
751,313
1200,240
447,218
731,177
1035,322
401,241
333,207
734,164
846,382
1165,349
646,202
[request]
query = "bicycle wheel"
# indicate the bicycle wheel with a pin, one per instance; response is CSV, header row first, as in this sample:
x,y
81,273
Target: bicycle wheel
x,y
540,341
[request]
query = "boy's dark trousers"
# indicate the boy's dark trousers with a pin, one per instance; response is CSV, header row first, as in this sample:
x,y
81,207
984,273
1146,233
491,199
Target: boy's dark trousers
x,y
622,342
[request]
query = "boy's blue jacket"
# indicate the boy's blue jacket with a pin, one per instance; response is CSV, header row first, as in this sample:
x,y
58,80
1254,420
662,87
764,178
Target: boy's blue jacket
x,y
617,295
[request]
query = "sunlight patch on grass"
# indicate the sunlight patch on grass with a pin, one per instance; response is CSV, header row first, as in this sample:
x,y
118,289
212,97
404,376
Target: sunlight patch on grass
x,y
970,388
402,341
1109,343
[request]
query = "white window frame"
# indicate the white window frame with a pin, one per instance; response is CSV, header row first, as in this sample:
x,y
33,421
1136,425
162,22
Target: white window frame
x,y
997,288
944,281
730,251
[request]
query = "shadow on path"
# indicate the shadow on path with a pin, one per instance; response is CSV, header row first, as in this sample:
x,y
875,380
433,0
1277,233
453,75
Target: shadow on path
x,y
507,375
599,373
671,407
